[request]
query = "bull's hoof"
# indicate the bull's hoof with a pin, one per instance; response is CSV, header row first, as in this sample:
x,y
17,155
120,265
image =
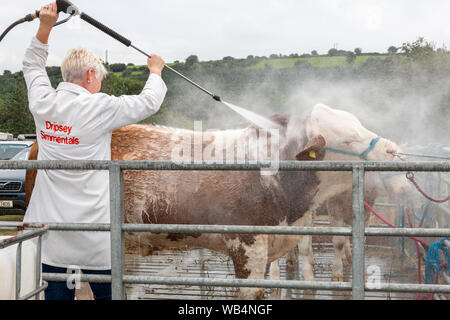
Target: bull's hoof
x,y
275,294
348,260
291,263
339,278
309,294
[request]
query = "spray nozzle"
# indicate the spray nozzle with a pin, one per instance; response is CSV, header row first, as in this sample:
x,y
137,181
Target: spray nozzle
x,y
67,7
217,98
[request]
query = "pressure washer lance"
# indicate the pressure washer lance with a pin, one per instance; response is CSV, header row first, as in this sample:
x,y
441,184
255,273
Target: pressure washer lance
x,y
69,8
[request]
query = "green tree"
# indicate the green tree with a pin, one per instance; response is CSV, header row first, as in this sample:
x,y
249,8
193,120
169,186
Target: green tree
x,y
314,53
16,117
118,86
419,49
392,50
191,60
127,73
118,67
333,52
351,57
358,51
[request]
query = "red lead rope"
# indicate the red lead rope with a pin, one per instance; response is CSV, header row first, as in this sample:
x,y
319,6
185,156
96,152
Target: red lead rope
x,y
423,243
411,178
416,241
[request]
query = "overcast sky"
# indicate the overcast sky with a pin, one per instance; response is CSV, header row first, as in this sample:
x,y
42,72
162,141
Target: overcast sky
x,y
214,29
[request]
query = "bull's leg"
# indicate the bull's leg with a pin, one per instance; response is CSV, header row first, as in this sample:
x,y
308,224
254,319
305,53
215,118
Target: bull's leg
x,y
249,255
348,251
291,258
305,250
274,274
338,266
85,292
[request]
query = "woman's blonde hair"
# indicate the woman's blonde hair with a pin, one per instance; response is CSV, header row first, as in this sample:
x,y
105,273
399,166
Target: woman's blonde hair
x,y
78,62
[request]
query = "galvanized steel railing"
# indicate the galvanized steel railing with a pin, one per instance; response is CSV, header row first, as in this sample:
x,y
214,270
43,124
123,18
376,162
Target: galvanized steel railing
x,y
358,230
39,231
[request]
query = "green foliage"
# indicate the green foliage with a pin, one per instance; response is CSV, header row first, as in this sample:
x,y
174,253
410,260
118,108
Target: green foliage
x,y
53,71
418,49
392,50
15,115
116,86
351,58
118,67
127,73
424,54
191,60
333,52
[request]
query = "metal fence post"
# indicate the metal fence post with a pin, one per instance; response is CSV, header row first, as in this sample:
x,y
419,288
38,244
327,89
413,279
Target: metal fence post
x,y
358,264
18,269
117,238
38,265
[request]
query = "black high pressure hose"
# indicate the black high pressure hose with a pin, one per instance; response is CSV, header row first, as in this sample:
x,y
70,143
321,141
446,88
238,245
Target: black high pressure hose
x,y
71,9
11,27
63,6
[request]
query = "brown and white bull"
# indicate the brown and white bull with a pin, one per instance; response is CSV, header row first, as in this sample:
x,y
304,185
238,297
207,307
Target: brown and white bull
x,y
236,198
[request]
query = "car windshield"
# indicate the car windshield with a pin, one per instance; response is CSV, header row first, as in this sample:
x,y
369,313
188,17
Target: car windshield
x,y
22,155
7,151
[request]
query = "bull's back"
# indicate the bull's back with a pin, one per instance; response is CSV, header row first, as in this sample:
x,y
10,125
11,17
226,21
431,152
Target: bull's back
x,y
204,197
182,197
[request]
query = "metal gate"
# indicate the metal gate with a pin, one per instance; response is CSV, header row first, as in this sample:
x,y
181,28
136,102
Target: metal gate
x,y
37,233
117,227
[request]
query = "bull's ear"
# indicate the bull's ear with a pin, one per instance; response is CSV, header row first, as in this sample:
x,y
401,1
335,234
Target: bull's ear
x,y
314,150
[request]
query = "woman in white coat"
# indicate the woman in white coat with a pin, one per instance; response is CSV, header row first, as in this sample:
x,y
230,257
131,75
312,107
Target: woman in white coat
x,y
74,122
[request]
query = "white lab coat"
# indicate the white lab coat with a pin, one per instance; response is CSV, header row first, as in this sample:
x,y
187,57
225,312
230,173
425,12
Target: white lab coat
x,y
72,124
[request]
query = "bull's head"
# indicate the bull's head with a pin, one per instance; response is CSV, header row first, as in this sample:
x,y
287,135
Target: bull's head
x,y
344,133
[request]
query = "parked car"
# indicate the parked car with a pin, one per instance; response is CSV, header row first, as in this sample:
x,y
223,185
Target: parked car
x,y
12,186
10,148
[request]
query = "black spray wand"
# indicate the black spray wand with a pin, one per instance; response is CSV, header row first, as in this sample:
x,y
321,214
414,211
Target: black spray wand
x,y
127,42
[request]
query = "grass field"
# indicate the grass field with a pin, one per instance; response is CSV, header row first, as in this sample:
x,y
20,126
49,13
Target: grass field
x,y
317,62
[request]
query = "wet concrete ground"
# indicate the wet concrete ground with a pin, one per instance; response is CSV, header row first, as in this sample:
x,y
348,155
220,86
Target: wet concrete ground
x,y
204,263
